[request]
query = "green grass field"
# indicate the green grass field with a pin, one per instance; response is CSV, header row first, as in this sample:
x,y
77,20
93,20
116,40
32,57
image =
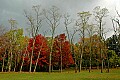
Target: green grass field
x,y
66,75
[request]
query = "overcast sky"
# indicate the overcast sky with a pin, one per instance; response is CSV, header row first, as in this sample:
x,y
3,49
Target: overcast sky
x,y
14,8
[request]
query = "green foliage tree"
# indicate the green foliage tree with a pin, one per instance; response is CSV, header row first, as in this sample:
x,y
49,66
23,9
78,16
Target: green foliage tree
x,y
16,41
113,58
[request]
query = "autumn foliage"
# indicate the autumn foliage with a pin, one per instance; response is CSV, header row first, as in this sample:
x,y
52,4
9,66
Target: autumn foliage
x,y
61,46
40,49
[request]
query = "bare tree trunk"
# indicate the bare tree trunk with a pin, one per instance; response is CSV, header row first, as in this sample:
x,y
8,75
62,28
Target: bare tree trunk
x,y
15,63
90,65
61,64
3,61
9,61
22,64
90,54
50,57
82,47
80,68
38,57
75,66
100,28
108,66
102,66
61,56
37,61
79,65
32,55
31,62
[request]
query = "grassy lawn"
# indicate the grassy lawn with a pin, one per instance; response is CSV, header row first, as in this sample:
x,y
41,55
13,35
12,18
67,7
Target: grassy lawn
x,y
66,75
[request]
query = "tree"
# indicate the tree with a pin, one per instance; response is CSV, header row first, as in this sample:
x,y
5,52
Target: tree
x,y
24,44
94,50
116,36
11,46
113,45
116,20
35,25
100,14
91,31
67,23
53,19
20,44
113,58
3,44
82,24
43,48
76,48
40,52
11,41
62,55
16,48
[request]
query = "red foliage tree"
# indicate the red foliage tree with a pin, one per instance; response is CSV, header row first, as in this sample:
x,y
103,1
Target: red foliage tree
x,y
40,51
62,46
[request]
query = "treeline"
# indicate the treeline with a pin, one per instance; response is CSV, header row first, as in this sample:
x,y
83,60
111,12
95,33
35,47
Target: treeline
x,y
38,52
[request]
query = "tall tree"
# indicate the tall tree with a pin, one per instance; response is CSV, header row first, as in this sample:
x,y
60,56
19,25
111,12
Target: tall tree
x,y
19,45
99,14
11,37
82,24
70,35
91,31
24,44
53,17
35,22
116,27
3,44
